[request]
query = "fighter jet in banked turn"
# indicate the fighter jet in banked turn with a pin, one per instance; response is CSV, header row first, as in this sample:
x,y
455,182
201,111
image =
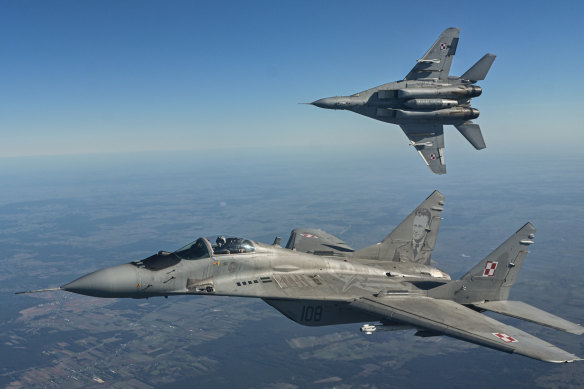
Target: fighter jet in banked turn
x,y
425,100
319,280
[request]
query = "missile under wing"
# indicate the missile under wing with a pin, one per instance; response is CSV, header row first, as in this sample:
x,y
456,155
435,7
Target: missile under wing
x,y
426,100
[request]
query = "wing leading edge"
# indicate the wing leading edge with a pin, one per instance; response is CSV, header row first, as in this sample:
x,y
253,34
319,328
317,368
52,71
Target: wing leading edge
x,y
437,60
457,321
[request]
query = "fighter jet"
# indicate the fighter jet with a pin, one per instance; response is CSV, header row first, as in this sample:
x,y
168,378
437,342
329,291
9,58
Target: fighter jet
x,y
425,100
320,280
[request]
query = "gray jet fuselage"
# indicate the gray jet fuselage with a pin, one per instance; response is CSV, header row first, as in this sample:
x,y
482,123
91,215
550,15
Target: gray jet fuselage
x,y
439,101
426,100
269,272
319,280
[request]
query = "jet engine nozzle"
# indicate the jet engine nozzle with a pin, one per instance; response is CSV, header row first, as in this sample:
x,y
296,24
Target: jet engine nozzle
x,y
474,113
476,90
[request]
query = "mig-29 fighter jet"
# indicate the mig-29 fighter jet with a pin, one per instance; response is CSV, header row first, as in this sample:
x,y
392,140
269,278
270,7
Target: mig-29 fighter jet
x,y
319,280
425,100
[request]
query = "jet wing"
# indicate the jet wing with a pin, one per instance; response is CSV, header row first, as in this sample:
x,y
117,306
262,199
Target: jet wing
x,y
428,139
437,60
455,320
315,241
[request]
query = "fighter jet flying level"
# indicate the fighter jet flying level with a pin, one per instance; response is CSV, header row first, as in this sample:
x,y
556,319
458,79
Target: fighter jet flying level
x,y
319,280
425,100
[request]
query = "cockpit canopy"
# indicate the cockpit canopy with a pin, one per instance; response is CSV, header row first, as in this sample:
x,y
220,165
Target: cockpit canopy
x,y
232,246
201,248
194,250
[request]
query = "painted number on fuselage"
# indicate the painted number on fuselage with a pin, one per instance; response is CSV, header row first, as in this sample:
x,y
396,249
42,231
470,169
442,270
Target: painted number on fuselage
x,y
311,313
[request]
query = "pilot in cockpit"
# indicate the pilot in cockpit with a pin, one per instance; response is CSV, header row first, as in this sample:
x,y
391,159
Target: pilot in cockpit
x,y
220,246
232,246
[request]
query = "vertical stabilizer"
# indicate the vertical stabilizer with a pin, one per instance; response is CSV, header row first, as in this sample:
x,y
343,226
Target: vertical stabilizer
x,y
414,239
479,70
492,278
472,133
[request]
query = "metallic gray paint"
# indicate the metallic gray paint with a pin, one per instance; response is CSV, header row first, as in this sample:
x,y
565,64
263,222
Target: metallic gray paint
x,y
319,280
426,100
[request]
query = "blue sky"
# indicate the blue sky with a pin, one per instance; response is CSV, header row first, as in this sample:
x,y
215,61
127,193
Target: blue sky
x,y
108,76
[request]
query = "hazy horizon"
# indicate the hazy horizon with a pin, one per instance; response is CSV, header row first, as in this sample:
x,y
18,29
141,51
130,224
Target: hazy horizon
x,y
110,77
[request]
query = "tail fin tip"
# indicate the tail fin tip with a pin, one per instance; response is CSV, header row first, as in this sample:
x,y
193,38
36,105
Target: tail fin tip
x,y
492,278
479,70
472,133
414,239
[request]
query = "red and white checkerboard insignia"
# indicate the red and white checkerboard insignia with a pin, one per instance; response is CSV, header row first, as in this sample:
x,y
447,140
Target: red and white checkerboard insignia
x,y
309,236
442,46
432,156
490,269
505,338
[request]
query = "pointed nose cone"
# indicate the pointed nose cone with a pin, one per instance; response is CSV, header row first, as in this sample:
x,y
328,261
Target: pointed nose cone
x,y
327,102
115,281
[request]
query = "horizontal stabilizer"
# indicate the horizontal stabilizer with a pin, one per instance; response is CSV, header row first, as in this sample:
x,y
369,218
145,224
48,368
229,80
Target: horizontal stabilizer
x,y
479,70
472,133
523,311
492,278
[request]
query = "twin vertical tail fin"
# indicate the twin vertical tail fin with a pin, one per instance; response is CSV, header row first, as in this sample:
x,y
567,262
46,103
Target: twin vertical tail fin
x,y
472,133
492,278
486,286
414,239
479,70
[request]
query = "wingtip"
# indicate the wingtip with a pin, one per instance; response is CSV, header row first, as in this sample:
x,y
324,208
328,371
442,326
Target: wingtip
x,y
550,354
438,172
578,330
570,360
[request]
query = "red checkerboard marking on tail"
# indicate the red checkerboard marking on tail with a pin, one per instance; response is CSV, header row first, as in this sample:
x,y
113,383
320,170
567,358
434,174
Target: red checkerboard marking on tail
x,y
490,269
